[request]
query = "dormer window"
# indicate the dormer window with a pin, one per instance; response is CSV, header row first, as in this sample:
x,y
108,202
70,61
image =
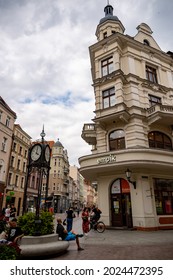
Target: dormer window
x,y
146,42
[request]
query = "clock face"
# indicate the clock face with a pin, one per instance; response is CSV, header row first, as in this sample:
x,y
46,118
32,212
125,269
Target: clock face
x,y
36,152
47,153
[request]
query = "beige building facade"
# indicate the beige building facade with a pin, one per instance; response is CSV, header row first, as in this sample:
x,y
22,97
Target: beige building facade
x,y
21,142
77,178
59,177
7,119
133,127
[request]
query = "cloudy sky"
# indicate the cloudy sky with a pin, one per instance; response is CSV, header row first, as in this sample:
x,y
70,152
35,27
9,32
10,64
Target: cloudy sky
x,y
45,66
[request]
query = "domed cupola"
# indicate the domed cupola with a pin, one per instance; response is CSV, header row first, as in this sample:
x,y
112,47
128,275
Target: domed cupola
x,y
108,14
109,24
58,144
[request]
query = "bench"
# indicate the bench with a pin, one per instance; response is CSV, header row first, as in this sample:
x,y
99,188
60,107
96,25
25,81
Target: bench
x,y
44,245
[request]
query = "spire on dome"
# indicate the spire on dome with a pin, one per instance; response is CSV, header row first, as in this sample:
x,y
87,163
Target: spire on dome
x,y
109,14
108,10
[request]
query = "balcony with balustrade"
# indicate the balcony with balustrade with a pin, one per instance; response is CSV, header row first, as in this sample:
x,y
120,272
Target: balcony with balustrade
x,y
118,112
89,133
160,113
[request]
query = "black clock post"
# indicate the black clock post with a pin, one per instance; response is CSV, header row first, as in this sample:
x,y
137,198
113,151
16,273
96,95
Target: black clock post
x,y
38,163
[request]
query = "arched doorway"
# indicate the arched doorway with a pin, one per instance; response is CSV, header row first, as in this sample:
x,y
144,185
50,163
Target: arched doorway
x,y
121,213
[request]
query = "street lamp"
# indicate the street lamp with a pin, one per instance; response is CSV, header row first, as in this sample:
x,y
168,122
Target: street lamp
x,y
128,176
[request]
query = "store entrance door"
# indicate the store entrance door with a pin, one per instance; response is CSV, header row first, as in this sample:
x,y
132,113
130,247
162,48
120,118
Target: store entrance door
x,y
121,204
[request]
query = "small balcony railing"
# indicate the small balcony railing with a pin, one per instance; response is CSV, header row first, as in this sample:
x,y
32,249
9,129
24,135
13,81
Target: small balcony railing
x,y
160,113
160,108
89,133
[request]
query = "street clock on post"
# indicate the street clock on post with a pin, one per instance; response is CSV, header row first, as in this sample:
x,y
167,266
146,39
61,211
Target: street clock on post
x,y
36,152
38,167
47,153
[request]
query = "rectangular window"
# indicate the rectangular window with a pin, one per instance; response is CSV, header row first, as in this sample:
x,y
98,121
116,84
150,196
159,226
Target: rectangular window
x,y
18,164
20,150
12,161
16,180
8,121
4,144
14,147
107,66
153,100
151,74
163,190
108,98
9,178
24,166
22,182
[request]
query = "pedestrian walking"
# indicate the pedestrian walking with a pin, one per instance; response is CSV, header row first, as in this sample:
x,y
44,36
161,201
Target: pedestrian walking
x,y
70,216
85,220
7,213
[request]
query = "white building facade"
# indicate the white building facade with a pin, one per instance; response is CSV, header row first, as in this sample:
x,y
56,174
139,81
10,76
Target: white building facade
x,y
133,127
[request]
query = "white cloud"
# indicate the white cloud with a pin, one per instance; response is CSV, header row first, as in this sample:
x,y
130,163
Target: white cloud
x,y
45,66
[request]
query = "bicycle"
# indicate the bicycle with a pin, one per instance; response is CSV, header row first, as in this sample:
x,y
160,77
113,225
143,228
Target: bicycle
x,y
98,226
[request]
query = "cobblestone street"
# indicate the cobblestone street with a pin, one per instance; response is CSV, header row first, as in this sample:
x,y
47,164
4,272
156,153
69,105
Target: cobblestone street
x,y
120,245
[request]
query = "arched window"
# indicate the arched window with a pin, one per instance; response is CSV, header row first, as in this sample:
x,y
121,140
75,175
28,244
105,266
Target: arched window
x,y
159,140
146,42
117,140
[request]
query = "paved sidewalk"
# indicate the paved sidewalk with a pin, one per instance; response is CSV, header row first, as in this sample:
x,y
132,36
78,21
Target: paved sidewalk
x,y
120,245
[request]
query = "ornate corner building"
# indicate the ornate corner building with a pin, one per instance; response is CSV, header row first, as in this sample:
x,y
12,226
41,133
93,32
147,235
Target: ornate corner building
x,y
133,127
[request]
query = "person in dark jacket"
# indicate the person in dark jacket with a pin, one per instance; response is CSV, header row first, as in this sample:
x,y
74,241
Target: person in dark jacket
x,y
14,233
69,219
